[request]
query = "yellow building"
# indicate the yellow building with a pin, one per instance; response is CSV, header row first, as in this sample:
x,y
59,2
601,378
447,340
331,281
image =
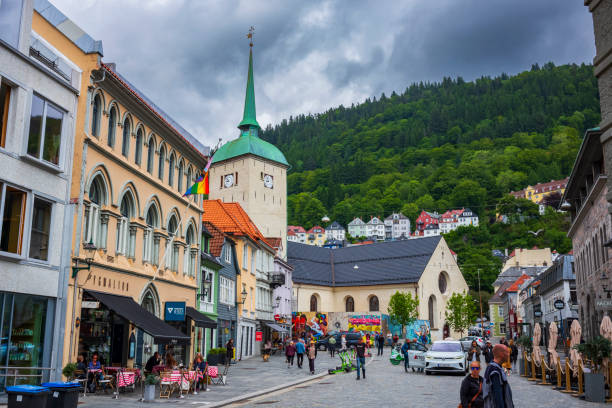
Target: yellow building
x,y
528,257
362,279
539,191
255,258
315,236
131,163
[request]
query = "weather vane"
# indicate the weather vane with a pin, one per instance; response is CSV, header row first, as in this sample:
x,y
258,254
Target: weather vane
x,y
250,35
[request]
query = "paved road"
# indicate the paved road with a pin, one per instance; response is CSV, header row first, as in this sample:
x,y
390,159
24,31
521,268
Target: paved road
x,y
388,385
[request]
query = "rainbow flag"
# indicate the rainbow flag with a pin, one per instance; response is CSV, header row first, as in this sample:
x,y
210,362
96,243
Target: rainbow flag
x,y
200,186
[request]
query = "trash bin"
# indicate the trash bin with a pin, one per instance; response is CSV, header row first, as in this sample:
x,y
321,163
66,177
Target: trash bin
x,y
63,394
27,396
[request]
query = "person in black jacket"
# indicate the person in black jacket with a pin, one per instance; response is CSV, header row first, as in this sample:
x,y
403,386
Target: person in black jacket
x,y
471,388
513,354
488,352
153,361
499,393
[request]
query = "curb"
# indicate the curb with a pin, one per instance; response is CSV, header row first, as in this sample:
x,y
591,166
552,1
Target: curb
x,y
270,390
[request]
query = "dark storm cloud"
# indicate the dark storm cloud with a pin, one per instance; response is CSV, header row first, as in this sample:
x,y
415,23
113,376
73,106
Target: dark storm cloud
x,y
190,57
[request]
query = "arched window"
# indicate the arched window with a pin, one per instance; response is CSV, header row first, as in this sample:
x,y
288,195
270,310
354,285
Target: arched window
x,y
350,304
189,259
95,231
96,111
171,170
151,155
127,130
151,245
112,126
150,304
442,282
162,161
313,303
373,304
181,174
126,236
189,180
172,257
138,153
431,306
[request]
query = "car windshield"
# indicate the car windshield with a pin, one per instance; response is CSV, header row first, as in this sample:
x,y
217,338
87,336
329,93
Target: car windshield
x,y
447,347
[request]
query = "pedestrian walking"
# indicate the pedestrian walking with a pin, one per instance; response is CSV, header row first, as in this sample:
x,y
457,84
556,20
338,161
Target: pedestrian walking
x,y
380,340
331,345
312,354
395,340
229,350
300,349
496,389
488,352
343,342
405,348
513,355
360,353
470,393
474,352
290,353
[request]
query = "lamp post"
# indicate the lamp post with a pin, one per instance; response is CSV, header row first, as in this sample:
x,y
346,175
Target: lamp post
x,y
88,250
480,301
206,285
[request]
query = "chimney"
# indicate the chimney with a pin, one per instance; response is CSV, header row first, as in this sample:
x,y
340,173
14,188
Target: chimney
x,y
112,66
506,252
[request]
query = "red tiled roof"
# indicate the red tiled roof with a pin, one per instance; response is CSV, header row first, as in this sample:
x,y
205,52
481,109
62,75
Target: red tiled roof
x,y
291,234
217,239
275,242
312,230
453,252
514,287
231,219
296,228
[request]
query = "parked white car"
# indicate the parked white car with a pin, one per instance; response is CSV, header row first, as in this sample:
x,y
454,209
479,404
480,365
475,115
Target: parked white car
x,y
446,356
467,342
416,354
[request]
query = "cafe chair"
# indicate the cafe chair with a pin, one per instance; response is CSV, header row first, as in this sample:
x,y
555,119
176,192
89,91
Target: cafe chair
x,y
220,378
166,384
106,381
81,377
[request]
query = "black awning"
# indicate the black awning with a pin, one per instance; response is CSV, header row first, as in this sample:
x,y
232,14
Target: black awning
x,y
200,319
143,319
276,327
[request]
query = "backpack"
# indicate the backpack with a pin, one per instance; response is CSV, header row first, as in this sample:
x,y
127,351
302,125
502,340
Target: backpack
x,y
495,369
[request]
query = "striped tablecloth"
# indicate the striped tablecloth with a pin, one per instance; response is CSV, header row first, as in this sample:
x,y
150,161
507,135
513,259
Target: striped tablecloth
x,y
212,371
125,378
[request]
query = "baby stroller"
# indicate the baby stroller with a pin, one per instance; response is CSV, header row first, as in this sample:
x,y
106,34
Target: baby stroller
x,y
396,355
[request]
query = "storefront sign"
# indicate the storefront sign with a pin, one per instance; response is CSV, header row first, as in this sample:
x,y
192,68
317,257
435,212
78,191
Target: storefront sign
x,y
174,312
90,305
132,352
559,304
603,304
537,313
258,336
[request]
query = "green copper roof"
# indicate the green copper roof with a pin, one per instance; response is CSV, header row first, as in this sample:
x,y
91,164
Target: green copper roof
x,y
249,143
249,116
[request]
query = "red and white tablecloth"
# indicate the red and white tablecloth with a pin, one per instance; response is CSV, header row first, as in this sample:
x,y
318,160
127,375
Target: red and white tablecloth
x,y
125,378
212,371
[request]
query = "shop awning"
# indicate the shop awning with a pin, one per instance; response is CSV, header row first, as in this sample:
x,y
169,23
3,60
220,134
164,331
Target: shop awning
x,y
143,319
277,328
200,319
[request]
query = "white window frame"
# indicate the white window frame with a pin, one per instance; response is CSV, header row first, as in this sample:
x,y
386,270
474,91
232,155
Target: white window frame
x,y
93,229
43,125
245,257
227,253
147,255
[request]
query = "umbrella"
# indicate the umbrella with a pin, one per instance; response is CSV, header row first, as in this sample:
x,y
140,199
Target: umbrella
x,y
537,335
575,333
552,342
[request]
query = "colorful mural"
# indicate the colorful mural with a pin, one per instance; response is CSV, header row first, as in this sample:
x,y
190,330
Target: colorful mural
x,y
413,331
364,323
314,322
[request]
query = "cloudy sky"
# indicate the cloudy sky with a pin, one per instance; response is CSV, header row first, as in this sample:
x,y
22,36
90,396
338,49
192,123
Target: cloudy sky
x,y
191,57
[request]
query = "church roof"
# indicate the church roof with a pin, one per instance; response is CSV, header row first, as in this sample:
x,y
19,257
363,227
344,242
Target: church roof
x,y
249,141
376,264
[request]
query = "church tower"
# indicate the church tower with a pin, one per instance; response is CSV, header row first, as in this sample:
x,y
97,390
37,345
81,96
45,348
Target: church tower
x,y
253,173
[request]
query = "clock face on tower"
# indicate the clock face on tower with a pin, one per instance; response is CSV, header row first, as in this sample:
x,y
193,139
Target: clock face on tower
x,y
268,181
228,180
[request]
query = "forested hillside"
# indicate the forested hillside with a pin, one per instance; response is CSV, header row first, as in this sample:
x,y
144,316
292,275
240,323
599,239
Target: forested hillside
x,y
437,145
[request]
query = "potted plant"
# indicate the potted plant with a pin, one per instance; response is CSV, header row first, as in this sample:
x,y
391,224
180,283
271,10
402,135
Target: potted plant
x,y
212,357
595,350
69,370
151,381
526,343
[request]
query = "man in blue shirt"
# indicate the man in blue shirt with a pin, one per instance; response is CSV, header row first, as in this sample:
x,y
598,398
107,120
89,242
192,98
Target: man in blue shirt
x,y
300,349
405,349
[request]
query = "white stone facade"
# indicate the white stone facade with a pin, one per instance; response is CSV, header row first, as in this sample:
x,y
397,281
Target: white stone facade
x,y
375,228
396,226
357,228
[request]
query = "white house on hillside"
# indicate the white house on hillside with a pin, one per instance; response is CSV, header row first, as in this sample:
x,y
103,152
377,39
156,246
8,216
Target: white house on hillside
x,y
335,231
357,228
397,226
375,228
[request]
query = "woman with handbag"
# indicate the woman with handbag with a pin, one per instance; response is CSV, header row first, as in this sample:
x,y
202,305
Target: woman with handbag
x,y
471,388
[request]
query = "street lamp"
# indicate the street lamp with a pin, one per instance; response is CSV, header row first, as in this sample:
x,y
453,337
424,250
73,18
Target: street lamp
x,y
206,284
277,302
243,295
89,249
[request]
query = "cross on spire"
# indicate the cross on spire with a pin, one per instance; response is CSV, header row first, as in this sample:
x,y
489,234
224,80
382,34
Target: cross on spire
x,y
250,35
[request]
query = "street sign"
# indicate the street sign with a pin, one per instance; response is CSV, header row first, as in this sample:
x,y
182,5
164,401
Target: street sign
x,y
174,312
603,304
559,304
537,313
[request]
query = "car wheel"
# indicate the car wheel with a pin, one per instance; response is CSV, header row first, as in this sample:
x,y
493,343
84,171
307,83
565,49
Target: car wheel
x,y
427,372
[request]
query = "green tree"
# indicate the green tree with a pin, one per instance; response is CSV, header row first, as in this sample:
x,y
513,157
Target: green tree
x,y
460,312
403,308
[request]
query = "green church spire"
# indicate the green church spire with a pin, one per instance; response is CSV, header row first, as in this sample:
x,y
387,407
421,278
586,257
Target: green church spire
x,y
249,119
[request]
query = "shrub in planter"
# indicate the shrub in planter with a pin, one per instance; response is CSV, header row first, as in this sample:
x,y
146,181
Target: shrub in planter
x,y
212,357
222,352
595,350
150,383
69,370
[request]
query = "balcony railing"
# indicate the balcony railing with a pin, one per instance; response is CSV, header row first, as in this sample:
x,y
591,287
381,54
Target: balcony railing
x,y
276,280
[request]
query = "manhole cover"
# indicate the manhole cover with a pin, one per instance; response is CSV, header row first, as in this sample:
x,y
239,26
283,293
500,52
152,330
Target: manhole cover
x,y
266,402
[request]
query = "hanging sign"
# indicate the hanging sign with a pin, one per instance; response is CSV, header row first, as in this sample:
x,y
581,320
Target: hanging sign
x,y
537,313
90,305
174,312
132,352
258,336
559,304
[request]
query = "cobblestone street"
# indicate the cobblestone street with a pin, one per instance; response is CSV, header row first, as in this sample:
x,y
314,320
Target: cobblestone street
x,y
388,385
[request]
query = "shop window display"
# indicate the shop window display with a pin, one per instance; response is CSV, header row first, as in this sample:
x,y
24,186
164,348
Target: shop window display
x,y
94,335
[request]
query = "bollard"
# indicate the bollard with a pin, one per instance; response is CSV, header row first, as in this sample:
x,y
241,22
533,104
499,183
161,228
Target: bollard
x,y
580,391
558,368
525,364
543,366
609,382
533,369
568,378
